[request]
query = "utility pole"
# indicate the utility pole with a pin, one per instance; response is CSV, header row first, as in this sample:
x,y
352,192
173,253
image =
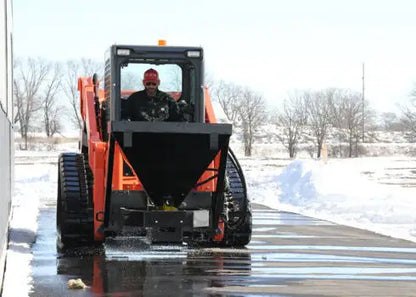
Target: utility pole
x,y
363,100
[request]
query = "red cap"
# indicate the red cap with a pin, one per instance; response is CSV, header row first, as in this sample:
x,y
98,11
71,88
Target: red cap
x,y
151,75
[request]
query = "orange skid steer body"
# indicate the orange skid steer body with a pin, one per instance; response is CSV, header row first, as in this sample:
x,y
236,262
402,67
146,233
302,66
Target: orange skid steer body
x,y
169,181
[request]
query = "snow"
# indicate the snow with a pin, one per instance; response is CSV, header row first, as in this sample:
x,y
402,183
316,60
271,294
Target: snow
x,y
375,193
34,188
340,193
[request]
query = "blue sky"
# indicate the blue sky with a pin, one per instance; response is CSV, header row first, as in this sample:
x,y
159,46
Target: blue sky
x,y
271,46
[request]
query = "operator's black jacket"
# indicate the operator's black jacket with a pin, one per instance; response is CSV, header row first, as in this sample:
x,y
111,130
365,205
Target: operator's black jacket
x,y
162,107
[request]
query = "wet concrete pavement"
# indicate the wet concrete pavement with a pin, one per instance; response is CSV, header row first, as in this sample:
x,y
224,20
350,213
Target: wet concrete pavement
x,y
289,255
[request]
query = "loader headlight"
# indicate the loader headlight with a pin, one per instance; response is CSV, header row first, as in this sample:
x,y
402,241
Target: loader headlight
x,y
123,52
193,54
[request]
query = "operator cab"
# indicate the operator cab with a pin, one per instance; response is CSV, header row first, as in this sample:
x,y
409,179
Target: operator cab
x,y
180,71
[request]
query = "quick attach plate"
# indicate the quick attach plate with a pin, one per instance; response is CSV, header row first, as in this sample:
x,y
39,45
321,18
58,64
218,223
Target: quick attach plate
x,y
167,226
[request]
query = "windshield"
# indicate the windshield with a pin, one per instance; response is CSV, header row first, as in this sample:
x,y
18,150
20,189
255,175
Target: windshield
x,y
170,76
176,80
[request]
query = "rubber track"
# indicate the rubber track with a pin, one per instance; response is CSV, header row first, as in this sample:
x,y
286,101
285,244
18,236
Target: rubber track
x,y
236,194
75,210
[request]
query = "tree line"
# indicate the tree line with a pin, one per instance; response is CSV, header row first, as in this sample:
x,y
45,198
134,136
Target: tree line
x,y
46,96
312,115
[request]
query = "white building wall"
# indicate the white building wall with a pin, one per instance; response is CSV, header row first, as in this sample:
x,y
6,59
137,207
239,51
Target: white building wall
x,y
6,134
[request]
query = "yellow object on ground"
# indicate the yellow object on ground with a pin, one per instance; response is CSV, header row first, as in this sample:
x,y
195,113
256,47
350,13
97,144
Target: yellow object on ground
x,y
75,284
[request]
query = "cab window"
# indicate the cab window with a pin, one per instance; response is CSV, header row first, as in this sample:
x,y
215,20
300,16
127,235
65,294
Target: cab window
x,y
170,76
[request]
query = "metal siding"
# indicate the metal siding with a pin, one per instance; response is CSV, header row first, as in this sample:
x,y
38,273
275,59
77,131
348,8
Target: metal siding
x,y
9,62
3,57
6,132
5,185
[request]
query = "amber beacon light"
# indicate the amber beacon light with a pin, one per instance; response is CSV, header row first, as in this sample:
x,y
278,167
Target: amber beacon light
x,y
161,42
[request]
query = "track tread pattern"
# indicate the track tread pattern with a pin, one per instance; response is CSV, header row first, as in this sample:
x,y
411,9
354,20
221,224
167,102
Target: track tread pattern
x,y
238,223
75,224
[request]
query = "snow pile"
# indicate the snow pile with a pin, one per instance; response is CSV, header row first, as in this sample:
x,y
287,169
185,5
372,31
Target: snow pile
x,y
338,193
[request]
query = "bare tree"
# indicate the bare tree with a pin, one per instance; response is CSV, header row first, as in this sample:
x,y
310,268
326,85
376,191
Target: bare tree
x,y
89,67
229,96
319,115
251,111
292,118
347,118
29,76
351,109
390,121
73,70
408,114
337,121
408,117
51,108
70,88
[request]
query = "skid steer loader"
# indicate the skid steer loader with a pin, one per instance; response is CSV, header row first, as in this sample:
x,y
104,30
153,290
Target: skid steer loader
x,y
171,182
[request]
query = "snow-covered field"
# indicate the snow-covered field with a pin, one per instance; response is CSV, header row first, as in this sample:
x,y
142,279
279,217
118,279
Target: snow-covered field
x,y
377,194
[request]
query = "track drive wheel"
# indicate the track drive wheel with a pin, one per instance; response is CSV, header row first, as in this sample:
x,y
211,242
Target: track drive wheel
x,y
74,212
